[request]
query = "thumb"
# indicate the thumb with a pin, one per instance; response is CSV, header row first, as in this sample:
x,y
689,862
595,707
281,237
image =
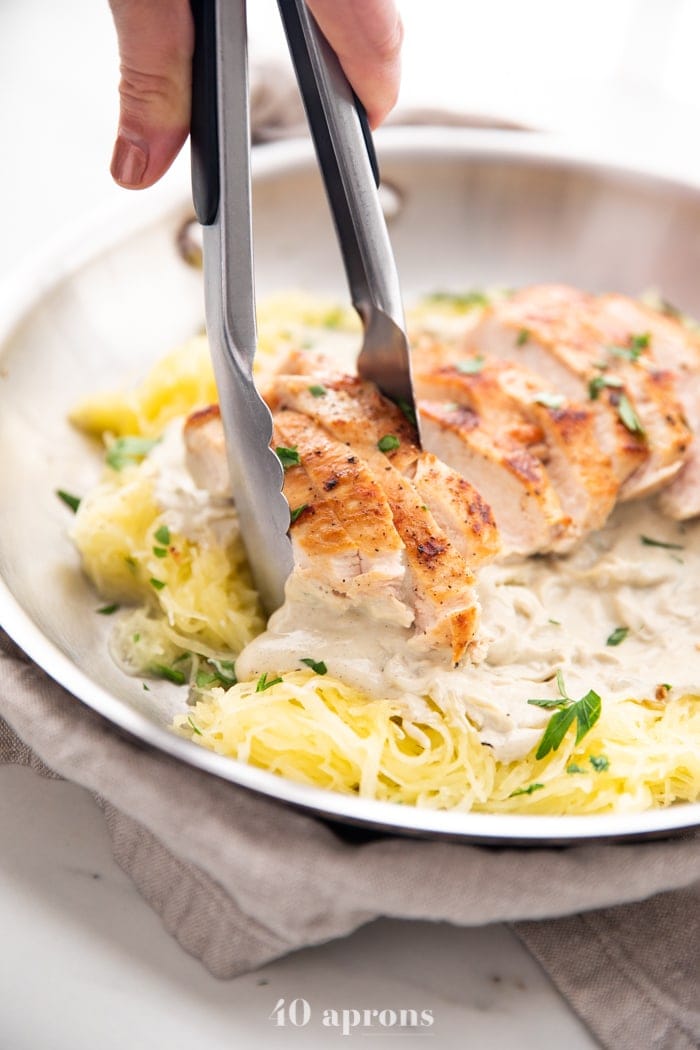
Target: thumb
x,y
156,40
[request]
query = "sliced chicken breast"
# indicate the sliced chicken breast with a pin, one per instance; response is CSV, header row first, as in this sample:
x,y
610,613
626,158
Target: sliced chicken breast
x,y
555,331
561,433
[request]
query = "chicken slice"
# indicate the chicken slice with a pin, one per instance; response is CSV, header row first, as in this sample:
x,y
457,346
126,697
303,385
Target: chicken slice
x,y
560,433
673,347
205,452
555,331
512,480
355,413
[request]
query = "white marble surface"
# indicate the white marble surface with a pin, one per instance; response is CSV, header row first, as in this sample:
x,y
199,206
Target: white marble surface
x,y
85,964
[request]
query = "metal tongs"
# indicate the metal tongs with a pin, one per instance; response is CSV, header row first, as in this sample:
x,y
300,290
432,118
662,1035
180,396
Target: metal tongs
x,y
222,196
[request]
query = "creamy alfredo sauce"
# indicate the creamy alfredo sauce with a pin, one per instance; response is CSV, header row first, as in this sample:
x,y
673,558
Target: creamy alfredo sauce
x,y
539,615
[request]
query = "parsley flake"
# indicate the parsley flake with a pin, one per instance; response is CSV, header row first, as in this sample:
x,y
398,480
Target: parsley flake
x,y
584,712
618,636
573,768
160,552
599,383
263,683
171,674
471,367
70,501
408,410
388,443
195,728
649,542
288,457
294,514
107,610
317,666
462,300
549,400
629,417
158,584
162,534
599,762
523,337
318,390
126,451
526,791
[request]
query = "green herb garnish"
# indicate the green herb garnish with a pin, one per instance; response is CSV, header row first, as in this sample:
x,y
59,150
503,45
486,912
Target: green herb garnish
x,y
573,768
584,712
317,666
70,501
523,337
618,636
294,514
160,552
107,610
126,451
526,791
599,383
408,410
637,345
288,457
465,300
549,400
158,584
649,542
264,684
471,367
193,727
388,443
628,416
162,534
171,674
318,390
599,762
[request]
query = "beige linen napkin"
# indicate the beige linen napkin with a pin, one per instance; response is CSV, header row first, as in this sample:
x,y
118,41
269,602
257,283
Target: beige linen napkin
x,y
240,880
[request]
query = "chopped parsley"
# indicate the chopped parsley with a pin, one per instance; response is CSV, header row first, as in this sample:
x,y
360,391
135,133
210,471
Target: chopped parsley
x,y
618,636
549,400
158,584
388,443
334,318
160,552
263,683
216,672
318,390
294,514
471,367
463,300
107,610
628,416
599,383
526,791
557,623
584,712
599,762
162,534
573,768
317,666
637,345
288,457
126,451
408,410
523,337
70,501
193,727
649,542
171,674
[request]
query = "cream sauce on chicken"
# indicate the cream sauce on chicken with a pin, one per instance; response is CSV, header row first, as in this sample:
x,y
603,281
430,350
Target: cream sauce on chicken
x,y
539,615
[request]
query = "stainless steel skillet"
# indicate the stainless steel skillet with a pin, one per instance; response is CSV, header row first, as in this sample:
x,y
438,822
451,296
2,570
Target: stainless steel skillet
x,y
475,209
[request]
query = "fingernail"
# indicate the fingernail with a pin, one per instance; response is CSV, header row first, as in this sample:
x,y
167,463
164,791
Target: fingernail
x,y
129,162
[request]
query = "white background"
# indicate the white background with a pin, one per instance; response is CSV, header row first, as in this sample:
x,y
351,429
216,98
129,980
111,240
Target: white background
x,y
85,965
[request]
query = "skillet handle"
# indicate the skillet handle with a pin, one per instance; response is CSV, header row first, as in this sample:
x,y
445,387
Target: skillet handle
x,y
204,123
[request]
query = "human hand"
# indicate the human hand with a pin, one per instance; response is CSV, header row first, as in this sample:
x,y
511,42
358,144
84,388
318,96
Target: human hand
x,y
156,40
